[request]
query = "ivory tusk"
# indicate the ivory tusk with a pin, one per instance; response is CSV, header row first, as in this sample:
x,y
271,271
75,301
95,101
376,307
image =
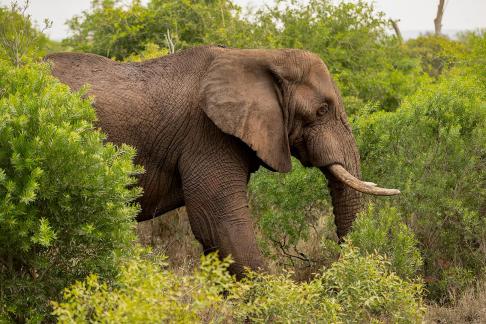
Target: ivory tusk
x,y
365,187
372,184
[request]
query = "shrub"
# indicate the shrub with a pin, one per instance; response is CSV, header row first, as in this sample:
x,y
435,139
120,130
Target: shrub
x,y
368,291
278,299
383,231
147,292
297,230
437,53
151,51
433,147
118,30
65,208
282,215
474,61
20,41
355,289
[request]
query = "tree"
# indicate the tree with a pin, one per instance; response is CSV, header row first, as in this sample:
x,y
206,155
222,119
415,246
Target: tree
x,y
438,17
394,24
438,54
118,31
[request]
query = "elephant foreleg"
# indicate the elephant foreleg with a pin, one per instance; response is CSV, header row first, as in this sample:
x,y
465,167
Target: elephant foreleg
x,y
217,206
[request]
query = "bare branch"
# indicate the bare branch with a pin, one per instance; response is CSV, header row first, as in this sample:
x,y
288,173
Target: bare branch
x,y
394,24
170,43
438,17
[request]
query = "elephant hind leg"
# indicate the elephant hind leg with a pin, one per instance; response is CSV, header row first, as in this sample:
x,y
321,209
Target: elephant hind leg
x,y
162,193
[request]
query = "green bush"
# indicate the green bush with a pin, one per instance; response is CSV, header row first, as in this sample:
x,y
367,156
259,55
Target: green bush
x,y
20,40
355,289
151,51
298,232
383,231
474,61
433,148
438,54
283,216
65,208
369,292
264,298
114,30
147,292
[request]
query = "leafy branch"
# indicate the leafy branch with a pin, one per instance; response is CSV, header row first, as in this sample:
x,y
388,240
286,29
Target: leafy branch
x,y
17,35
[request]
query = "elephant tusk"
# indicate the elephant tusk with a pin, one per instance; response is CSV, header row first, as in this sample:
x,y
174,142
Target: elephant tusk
x,y
365,187
372,184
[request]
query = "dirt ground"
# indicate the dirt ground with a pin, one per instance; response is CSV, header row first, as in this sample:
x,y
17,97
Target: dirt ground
x,y
171,235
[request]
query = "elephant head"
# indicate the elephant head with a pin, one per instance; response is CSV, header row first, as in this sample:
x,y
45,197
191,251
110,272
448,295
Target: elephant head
x,y
282,103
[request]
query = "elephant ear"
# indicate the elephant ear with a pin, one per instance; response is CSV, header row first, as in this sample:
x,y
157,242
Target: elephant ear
x,y
240,96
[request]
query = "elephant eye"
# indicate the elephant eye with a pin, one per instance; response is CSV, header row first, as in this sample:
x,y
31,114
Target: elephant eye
x,y
323,109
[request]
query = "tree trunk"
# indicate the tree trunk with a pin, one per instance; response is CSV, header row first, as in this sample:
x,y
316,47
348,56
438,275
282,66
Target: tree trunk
x,y
394,24
438,17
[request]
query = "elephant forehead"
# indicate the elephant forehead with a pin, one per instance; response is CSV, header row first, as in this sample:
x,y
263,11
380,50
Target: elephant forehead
x,y
319,75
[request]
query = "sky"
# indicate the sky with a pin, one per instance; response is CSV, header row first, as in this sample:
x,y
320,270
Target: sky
x,y
414,15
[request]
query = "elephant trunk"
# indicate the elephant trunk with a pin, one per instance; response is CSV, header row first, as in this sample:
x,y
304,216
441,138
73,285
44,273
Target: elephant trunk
x,y
346,201
346,191
338,158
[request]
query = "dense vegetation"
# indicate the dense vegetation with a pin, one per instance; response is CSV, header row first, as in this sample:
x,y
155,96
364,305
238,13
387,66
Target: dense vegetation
x,y
355,289
418,111
64,204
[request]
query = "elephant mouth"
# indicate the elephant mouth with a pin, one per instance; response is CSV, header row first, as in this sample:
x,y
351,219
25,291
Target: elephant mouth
x,y
362,186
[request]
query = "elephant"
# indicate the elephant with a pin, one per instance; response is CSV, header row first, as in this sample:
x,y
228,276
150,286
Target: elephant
x,y
205,118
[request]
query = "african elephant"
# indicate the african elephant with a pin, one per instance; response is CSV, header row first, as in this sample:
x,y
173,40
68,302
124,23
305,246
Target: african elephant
x,y
205,118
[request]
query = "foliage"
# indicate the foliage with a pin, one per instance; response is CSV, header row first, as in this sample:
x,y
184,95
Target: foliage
x,y
20,41
383,231
264,298
356,288
437,53
296,231
65,209
434,147
474,61
151,51
285,221
283,215
368,291
146,291
117,31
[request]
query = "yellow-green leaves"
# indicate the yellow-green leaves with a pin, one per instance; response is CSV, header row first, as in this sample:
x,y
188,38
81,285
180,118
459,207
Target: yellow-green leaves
x,y
355,289
66,208
433,148
44,235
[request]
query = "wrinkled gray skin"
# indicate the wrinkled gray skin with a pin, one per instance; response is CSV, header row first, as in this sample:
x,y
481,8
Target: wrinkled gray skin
x,y
204,119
